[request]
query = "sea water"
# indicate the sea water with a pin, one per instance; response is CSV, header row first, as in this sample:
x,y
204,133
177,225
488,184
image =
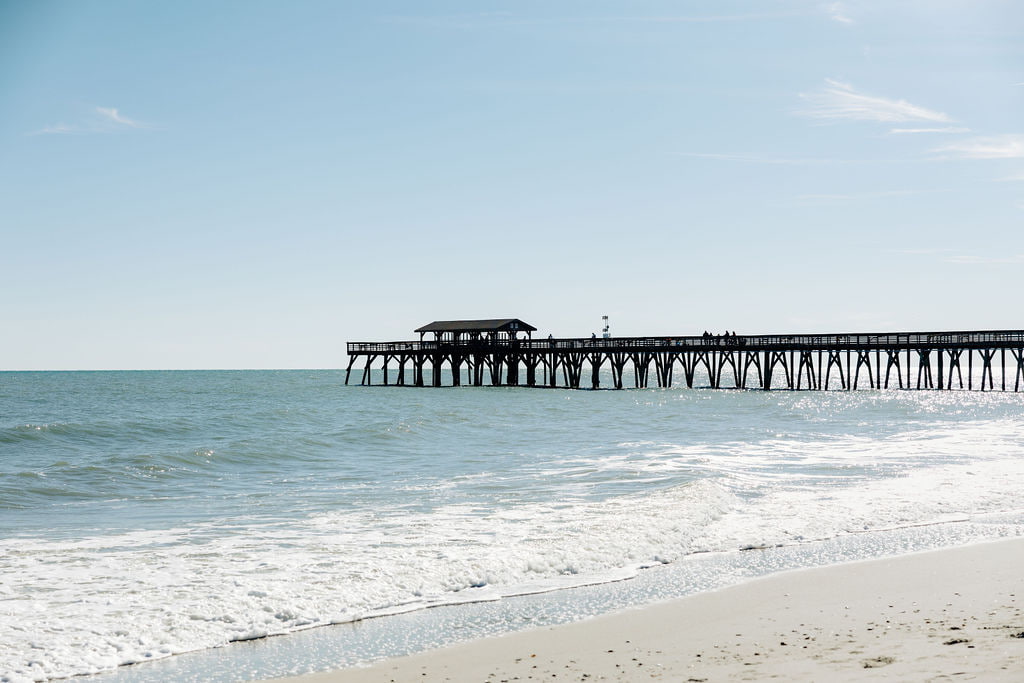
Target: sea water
x,y
149,514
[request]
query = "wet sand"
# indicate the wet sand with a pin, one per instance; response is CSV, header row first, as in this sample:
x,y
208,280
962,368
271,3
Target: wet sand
x,y
943,615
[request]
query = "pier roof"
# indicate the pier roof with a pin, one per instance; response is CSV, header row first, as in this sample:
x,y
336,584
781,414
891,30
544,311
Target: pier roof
x,y
494,325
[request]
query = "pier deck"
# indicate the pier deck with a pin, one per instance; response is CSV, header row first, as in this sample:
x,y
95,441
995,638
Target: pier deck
x,y
910,360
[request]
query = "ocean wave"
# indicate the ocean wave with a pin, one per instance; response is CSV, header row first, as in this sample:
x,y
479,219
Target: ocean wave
x,y
150,594
30,432
212,509
145,595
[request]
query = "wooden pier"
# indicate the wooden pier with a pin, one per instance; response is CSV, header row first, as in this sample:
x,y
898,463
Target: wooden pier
x,y
503,353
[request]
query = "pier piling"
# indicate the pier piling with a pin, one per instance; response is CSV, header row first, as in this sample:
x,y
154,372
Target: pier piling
x,y
497,351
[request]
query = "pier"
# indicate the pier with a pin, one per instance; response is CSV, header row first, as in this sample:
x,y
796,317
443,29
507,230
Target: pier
x,y
503,352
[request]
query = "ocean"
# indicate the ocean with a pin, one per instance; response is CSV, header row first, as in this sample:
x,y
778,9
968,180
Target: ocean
x,y
174,519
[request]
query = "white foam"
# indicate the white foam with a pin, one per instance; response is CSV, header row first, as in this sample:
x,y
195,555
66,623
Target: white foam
x,y
84,606
96,603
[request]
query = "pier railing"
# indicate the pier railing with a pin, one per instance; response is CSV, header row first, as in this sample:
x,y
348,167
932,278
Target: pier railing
x,y
853,341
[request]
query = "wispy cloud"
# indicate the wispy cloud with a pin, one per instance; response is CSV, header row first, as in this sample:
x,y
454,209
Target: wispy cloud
x,y
502,19
113,116
465,20
856,196
698,19
1017,178
947,129
97,120
837,12
57,129
971,259
754,159
922,251
1009,146
947,255
838,101
789,161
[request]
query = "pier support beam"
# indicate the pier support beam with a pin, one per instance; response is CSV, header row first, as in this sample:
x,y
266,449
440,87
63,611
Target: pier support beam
x,y
863,359
893,360
806,361
924,369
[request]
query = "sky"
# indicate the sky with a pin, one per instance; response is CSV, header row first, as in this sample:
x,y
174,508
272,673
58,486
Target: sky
x,y
252,184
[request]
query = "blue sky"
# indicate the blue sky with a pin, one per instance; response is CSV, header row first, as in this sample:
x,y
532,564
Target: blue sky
x,y
251,184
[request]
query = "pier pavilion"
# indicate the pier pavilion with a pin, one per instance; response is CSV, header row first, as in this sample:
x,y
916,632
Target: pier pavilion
x,y
502,352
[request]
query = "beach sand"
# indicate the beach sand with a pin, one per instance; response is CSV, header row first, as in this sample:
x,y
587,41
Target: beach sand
x,y
944,615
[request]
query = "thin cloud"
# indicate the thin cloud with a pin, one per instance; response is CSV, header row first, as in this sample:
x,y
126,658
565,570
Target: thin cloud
x,y
914,131
501,19
856,196
788,161
752,159
837,12
57,129
839,101
1009,146
465,20
947,255
927,251
972,260
782,161
98,120
113,116
714,18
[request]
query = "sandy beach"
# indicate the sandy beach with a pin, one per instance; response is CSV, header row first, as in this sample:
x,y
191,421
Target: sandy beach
x,y
944,615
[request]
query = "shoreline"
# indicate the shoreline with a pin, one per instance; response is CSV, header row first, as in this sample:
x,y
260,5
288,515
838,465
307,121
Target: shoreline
x,y
936,613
